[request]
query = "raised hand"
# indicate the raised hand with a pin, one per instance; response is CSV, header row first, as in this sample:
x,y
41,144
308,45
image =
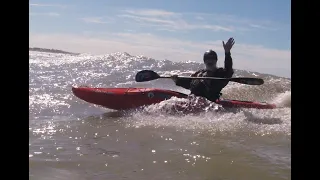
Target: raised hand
x,y
227,46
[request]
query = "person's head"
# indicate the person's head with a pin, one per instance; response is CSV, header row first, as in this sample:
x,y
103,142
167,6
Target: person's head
x,y
210,59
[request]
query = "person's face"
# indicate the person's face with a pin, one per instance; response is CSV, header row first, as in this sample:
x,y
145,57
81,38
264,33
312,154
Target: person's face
x,y
211,63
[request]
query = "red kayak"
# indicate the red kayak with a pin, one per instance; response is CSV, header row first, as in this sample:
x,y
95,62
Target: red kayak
x,y
130,98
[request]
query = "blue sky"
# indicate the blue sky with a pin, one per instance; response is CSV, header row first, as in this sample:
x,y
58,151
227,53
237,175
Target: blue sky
x,y
174,30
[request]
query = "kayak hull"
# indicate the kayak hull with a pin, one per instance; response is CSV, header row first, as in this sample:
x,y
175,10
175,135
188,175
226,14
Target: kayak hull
x,y
130,98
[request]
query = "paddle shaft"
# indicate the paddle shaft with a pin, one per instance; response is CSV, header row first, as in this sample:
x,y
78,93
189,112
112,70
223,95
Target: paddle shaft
x,y
209,78
148,75
248,81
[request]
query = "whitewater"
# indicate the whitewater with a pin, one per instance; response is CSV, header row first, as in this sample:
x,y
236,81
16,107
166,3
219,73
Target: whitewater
x,y
72,139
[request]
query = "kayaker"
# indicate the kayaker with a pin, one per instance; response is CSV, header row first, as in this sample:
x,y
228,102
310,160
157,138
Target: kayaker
x,y
210,89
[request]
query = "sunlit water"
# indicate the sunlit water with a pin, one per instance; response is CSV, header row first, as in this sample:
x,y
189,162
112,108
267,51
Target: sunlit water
x,y
72,139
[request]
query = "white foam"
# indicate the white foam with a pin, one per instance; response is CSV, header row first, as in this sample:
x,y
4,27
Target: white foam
x,y
283,99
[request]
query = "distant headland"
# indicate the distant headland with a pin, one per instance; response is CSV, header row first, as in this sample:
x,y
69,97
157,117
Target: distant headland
x,y
51,50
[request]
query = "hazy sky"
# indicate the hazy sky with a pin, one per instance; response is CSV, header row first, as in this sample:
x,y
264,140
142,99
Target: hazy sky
x,y
169,29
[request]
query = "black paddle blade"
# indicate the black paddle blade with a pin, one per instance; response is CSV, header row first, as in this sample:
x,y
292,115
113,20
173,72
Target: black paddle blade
x,y
146,75
249,81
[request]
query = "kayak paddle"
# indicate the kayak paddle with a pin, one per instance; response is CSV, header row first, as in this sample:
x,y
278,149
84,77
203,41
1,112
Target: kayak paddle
x,y
149,75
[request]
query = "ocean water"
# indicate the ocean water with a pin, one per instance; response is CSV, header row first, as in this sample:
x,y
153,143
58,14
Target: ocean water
x,y
72,139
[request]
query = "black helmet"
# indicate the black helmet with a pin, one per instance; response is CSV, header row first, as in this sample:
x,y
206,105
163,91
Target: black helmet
x,y
210,55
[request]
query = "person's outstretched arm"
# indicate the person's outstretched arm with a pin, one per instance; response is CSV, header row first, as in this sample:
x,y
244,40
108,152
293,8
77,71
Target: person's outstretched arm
x,y
228,69
182,82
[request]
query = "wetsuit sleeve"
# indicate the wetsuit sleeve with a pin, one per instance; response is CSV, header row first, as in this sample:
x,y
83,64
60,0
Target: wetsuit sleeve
x,y
228,69
185,83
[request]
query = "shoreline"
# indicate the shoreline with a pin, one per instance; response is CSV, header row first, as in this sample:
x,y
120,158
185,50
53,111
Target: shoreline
x,y
51,50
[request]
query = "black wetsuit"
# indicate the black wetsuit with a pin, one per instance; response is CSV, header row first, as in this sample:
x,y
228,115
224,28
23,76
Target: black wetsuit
x,y
210,89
